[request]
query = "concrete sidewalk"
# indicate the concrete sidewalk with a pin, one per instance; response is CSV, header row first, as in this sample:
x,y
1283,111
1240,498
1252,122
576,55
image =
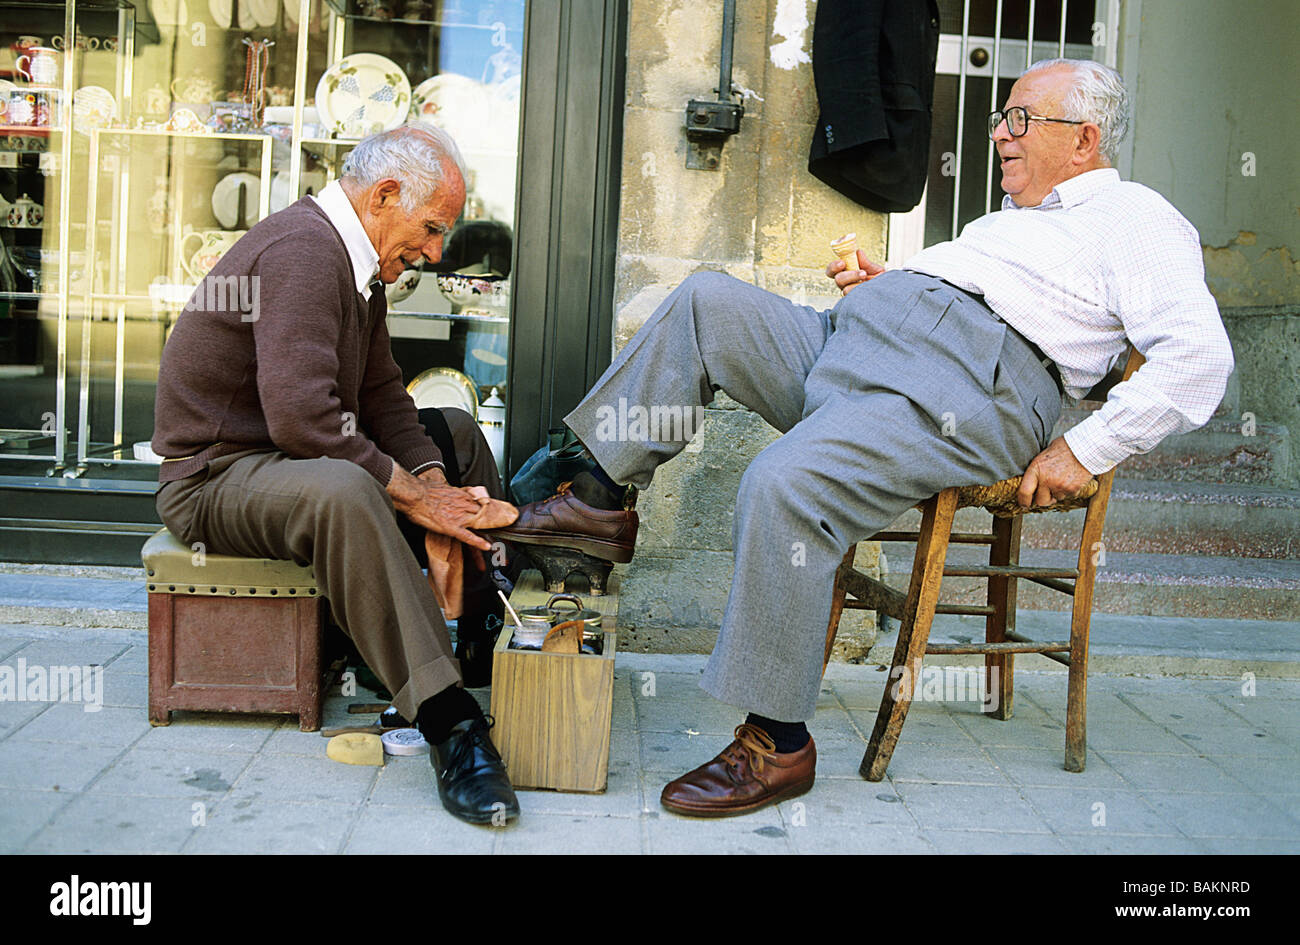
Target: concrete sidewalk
x,y
1175,765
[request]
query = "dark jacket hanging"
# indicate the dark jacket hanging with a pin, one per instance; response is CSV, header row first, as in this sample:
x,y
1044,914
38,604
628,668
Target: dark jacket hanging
x,y
873,64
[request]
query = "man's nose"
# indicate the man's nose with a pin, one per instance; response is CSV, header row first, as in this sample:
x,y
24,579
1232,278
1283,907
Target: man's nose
x,y
1001,131
433,249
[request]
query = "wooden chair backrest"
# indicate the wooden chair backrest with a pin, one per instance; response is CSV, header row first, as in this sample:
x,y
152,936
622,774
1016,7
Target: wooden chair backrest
x,y
1117,374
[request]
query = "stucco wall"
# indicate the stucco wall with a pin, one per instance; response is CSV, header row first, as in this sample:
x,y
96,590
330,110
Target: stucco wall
x,y
1217,89
760,217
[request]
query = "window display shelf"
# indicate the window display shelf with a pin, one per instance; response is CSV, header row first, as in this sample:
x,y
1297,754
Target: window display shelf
x,y
126,200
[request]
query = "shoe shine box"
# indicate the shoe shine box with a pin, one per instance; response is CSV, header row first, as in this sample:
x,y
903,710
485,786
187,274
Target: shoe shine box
x,y
552,714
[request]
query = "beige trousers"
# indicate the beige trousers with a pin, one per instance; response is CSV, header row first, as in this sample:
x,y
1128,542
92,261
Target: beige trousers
x,y
332,515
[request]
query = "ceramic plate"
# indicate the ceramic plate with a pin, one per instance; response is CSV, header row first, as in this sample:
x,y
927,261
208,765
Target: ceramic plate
x,y
444,387
169,12
225,199
93,107
291,11
222,11
264,11
281,191
478,116
363,93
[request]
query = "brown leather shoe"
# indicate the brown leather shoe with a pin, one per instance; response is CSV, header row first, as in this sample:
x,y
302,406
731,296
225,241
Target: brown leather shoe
x,y
564,521
749,774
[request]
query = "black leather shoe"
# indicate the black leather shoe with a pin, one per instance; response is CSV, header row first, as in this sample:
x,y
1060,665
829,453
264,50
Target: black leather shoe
x,y
472,781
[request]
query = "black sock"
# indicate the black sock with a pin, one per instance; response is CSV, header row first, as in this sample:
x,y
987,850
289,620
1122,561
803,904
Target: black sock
x,y
596,489
603,478
439,714
789,736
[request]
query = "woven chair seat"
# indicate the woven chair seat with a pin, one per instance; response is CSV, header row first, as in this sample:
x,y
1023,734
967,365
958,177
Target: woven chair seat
x,y
1000,498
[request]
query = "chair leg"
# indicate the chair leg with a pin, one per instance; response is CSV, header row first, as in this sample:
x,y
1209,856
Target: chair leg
x,y
837,605
999,670
1090,551
914,632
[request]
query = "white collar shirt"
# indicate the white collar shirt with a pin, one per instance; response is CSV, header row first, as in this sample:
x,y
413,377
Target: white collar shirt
x,y
361,252
365,260
1101,262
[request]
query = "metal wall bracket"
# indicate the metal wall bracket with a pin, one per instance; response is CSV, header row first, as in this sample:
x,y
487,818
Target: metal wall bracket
x,y
708,125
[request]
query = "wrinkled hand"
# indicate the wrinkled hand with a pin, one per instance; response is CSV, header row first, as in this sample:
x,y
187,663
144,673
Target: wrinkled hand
x,y
1053,475
447,555
446,510
848,279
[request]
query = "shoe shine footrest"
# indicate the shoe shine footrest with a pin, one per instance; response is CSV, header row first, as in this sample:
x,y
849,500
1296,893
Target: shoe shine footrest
x,y
553,713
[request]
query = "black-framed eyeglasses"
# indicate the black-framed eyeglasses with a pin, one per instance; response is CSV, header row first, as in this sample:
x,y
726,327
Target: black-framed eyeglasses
x,y
1018,119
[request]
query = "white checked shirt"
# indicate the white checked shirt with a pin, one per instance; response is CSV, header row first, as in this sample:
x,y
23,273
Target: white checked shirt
x,y
1098,261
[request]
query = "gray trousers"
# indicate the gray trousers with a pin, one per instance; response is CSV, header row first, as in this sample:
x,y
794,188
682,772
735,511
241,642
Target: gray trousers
x,y
906,387
333,515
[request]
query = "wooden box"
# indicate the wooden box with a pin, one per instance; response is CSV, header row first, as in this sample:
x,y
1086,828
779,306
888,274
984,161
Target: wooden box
x,y
235,654
553,713
231,634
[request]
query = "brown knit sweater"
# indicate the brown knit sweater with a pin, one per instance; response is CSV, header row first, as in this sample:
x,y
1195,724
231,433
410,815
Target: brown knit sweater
x,y
278,350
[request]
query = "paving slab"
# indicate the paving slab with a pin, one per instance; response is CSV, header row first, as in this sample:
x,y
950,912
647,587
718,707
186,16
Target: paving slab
x,y
383,831
273,827
959,781
95,823
24,813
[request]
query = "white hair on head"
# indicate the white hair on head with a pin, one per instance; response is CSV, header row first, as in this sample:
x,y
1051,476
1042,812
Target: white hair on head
x,y
412,155
1098,95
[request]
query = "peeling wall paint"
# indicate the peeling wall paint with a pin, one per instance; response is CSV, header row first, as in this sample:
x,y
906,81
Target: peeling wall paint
x,y
1241,273
791,23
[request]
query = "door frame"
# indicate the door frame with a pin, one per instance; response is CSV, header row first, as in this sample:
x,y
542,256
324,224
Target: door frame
x,y
566,213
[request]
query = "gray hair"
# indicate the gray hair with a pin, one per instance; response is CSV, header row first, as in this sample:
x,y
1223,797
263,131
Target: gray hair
x,y
1098,95
412,155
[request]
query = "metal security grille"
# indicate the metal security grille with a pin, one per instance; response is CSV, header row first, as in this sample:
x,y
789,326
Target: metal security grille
x,y
984,46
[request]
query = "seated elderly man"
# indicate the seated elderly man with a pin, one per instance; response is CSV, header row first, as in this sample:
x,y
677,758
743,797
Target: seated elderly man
x,y
286,433
947,372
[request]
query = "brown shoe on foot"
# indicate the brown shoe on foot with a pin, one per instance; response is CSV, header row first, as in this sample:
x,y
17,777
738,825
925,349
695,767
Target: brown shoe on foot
x,y
749,774
565,521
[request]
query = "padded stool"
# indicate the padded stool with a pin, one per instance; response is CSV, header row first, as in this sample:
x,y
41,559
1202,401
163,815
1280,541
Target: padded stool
x,y
230,634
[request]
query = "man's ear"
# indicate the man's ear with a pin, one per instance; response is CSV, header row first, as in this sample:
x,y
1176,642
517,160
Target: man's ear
x,y
384,194
1087,143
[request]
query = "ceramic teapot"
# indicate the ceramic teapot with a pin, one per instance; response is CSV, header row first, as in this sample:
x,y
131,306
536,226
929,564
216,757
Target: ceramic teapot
x,y
25,212
197,259
194,88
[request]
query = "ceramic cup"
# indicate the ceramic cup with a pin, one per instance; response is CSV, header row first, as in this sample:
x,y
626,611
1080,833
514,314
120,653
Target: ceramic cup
x,y
40,65
22,108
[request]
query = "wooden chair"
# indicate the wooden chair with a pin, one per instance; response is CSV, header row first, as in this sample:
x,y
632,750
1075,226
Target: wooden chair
x,y
915,611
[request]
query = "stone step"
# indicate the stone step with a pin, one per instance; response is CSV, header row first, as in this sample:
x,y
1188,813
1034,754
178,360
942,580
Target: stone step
x,y
1140,584
1181,518
1226,449
1230,406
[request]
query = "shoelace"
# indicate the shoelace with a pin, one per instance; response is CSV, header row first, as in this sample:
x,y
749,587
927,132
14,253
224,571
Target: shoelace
x,y
478,737
750,746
